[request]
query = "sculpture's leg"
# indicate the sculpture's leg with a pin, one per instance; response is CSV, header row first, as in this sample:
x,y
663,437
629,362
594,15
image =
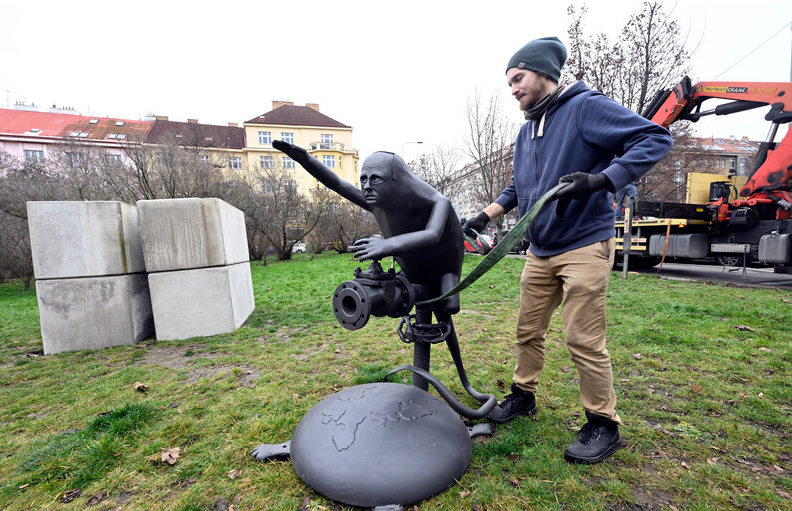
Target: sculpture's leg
x,y
272,451
422,350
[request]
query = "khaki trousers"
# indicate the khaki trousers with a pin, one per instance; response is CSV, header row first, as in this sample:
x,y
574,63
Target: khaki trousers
x,y
578,279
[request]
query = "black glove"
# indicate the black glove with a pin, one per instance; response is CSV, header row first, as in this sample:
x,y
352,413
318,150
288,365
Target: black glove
x,y
477,223
581,185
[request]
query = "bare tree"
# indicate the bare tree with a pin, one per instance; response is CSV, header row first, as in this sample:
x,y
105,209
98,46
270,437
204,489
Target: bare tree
x,y
489,144
170,169
277,211
649,54
15,256
437,169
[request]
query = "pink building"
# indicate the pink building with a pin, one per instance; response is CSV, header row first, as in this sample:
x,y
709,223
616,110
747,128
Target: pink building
x,y
31,134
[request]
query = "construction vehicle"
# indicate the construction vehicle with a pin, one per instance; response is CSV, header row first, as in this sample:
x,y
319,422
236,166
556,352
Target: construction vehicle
x,y
733,219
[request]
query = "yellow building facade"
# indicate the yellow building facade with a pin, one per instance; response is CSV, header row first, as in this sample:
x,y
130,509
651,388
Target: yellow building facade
x,y
326,139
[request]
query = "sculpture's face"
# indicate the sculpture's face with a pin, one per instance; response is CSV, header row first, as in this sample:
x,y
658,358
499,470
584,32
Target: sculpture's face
x,y
376,181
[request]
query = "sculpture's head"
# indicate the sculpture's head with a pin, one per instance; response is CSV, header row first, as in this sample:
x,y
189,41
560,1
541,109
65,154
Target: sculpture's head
x,y
378,180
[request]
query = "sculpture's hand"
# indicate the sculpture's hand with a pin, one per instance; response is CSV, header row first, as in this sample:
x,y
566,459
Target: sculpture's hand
x,y
294,152
372,248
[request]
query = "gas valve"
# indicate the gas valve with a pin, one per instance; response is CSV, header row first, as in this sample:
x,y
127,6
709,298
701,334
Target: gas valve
x,y
372,293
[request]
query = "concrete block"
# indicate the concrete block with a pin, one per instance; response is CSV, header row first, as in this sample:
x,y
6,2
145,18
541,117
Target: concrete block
x,y
180,234
84,239
95,312
201,302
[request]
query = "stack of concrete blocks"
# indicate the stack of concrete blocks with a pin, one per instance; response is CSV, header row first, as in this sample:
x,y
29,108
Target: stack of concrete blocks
x,y
196,254
91,284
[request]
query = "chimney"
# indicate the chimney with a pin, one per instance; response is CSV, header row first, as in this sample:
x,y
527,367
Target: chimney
x,y
162,117
192,121
278,104
233,125
313,106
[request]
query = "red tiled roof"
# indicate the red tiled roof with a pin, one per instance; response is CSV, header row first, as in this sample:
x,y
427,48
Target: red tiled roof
x,y
21,122
197,135
293,115
728,145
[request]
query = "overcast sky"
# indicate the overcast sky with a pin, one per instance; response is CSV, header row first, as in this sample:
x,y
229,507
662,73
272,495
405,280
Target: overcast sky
x,y
397,72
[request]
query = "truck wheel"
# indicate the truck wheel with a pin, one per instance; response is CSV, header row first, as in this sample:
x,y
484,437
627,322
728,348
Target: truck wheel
x,y
728,260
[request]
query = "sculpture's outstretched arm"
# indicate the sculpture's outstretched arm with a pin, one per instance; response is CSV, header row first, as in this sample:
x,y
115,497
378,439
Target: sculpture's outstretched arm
x,y
377,248
325,176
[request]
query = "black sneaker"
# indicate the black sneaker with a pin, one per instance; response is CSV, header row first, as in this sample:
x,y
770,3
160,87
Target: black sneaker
x,y
519,402
599,438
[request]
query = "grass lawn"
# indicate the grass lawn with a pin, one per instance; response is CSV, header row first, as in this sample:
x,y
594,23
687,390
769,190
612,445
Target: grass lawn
x,y
703,373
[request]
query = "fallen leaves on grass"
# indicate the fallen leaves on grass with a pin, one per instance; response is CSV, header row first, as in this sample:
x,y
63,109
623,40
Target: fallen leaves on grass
x,y
70,495
168,456
696,388
637,356
743,327
233,474
140,387
95,498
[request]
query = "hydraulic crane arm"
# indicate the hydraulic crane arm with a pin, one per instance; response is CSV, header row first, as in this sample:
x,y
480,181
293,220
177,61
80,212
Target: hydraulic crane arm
x,y
773,168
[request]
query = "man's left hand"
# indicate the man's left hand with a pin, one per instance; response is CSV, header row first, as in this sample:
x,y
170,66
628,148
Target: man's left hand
x,y
580,185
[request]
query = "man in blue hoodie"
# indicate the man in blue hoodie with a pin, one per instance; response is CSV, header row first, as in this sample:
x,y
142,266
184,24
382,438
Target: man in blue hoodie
x,y
578,136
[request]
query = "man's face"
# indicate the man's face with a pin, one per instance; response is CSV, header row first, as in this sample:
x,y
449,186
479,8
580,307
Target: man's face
x,y
526,86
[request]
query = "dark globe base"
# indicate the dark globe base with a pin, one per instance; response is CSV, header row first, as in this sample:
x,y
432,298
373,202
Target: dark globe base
x,y
380,444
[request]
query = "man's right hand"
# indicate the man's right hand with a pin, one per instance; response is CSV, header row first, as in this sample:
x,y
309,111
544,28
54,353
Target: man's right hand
x,y
477,223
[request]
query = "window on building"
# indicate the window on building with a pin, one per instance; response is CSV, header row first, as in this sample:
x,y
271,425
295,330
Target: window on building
x,y
119,123
31,154
93,121
291,184
114,159
327,140
732,164
287,137
288,163
235,162
265,137
74,159
266,162
329,161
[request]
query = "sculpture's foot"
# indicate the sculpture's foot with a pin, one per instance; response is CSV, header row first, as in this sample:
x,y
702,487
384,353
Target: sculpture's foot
x,y
272,451
481,429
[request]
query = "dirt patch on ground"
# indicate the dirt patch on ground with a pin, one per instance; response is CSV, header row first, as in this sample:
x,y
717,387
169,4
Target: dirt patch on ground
x,y
477,313
646,500
185,358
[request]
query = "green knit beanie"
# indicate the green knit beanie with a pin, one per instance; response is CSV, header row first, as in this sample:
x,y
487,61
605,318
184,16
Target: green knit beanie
x,y
546,55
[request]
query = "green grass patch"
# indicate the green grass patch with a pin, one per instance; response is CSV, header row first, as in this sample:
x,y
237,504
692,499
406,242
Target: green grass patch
x,y
703,373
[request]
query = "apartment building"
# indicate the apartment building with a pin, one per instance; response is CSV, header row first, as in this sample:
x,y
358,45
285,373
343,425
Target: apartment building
x,y
326,139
